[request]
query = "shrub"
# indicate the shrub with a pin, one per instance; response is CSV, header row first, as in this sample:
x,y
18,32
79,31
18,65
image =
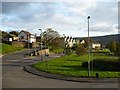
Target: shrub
x,y
68,51
117,49
80,50
6,42
114,47
104,64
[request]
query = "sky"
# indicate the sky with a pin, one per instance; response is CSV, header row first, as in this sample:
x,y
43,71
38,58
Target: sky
x,y
66,17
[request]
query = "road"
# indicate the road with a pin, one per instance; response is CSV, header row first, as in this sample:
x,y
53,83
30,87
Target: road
x,y
13,75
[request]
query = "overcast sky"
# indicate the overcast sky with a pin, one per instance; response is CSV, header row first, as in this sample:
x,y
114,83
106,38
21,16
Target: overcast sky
x,y
69,18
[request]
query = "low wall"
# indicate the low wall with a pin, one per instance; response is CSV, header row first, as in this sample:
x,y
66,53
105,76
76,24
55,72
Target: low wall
x,y
35,45
44,52
19,44
24,44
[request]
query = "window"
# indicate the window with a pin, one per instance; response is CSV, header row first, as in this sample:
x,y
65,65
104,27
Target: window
x,y
22,37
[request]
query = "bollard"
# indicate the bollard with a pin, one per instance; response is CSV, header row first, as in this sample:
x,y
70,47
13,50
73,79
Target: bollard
x,y
97,76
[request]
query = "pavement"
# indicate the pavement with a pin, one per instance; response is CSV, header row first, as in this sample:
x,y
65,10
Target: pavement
x,y
14,76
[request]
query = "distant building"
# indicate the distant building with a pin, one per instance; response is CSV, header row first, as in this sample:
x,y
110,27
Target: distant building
x,y
82,41
26,36
96,46
10,38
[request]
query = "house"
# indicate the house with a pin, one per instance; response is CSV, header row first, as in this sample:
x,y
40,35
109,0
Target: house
x,y
10,38
26,36
96,46
68,41
72,41
82,41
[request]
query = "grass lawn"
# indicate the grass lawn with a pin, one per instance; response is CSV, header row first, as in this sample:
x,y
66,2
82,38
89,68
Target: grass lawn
x,y
72,65
6,48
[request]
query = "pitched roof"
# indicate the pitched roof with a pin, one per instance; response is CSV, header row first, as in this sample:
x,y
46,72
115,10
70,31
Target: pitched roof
x,y
10,35
13,35
26,32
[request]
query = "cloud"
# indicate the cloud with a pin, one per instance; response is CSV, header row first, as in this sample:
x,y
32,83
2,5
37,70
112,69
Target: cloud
x,y
13,7
102,27
63,16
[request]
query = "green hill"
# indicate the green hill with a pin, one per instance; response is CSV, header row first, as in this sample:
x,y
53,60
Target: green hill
x,y
107,39
104,39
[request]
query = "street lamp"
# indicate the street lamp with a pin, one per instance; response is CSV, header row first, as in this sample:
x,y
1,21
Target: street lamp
x,y
28,37
35,43
41,43
64,42
88,48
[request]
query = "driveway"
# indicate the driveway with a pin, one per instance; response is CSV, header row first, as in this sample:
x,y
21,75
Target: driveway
x,y
13,75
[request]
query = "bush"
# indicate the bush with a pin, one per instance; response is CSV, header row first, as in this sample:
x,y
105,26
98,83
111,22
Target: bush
x,y
80,50
104,64
6,42
114,47
68,51
117,49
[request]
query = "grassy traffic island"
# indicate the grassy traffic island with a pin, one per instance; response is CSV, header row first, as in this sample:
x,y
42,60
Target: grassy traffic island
x,y
103,63
7,48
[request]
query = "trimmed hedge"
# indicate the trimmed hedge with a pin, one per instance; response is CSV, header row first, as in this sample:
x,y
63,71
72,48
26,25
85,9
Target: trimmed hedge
x,y
104,64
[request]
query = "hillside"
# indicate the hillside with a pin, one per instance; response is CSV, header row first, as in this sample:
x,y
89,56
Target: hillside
x,y
104,39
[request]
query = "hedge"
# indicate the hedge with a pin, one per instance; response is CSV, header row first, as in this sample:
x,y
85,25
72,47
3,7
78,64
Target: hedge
x,y
104,64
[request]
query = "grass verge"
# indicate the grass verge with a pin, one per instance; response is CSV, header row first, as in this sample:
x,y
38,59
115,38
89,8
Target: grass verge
x,y
71,65
6,48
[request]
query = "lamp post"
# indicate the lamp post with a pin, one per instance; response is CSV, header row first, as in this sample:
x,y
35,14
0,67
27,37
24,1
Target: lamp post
x,y
64,43
35,43
41,43
28,37
88,48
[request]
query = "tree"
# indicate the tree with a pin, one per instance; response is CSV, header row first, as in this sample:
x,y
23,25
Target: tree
x,y
4,33
74,47
117,48
14,32
80,50
112,47
68,50
51,38
49,35
86,42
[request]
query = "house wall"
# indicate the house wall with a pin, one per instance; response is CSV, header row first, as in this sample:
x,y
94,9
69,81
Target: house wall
x,y
22,34
32,39
83,42
70,43
15,38
96,46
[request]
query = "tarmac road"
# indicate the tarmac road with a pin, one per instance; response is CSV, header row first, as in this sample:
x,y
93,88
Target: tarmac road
x,y
13,75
